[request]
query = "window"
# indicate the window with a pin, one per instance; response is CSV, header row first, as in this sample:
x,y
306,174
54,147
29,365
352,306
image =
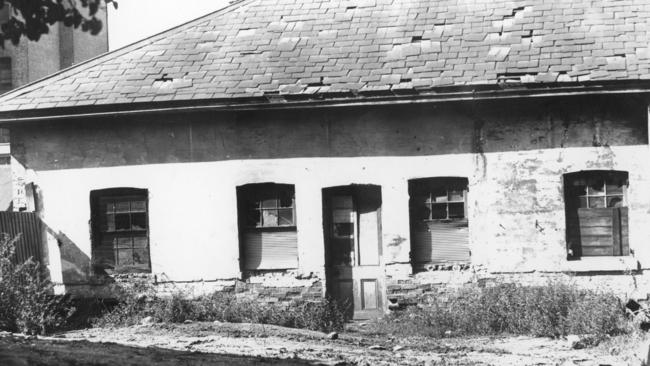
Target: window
x,y
5,74
120,227
596,213
439,226
267,225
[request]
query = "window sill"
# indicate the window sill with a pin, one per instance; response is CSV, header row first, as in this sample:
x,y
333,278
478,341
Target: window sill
x,y
601,264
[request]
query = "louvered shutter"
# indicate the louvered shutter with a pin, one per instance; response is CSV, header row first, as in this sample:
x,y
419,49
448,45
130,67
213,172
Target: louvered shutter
x,y
440,242
270,250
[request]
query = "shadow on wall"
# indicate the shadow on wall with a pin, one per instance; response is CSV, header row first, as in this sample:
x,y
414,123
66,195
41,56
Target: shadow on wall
x,y
76,266
413,130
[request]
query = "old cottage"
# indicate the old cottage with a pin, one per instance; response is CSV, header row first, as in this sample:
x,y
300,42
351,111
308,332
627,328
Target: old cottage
x,y
374,150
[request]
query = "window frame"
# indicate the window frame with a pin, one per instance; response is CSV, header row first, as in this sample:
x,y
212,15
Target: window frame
x,y
101,229
262,192
256,241
574,201
423,231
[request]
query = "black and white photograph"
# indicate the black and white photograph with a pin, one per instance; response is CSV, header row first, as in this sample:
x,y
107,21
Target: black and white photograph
x,y
325,182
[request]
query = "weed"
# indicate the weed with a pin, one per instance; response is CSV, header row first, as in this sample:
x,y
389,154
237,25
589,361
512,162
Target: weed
x,y
27,300
136,304
554,309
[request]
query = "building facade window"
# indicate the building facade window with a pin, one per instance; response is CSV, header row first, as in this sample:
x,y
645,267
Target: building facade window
x,y
6,83
596,213
120,228
438,220
267,226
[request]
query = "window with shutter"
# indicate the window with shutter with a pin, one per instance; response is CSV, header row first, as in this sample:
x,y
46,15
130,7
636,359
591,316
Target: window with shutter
x,y
596,213
120,226
268,235
439,226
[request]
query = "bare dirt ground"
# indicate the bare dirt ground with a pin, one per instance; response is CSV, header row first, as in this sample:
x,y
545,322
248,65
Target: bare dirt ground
x,y
252,344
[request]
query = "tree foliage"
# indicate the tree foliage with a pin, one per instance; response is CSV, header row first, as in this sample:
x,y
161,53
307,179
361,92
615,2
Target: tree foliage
x,y
33,18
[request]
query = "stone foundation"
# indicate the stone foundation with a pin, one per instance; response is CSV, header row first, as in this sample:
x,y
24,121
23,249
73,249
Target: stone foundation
x,y
268,287
404,289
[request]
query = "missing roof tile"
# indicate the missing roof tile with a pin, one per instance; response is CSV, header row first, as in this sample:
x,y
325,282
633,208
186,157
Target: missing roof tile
x,y
416,39
246,32
352,7
510,77
529,35
164,78
515,11
318,83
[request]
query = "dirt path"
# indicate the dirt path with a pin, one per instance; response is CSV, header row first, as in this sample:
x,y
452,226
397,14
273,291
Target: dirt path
x,y
251,344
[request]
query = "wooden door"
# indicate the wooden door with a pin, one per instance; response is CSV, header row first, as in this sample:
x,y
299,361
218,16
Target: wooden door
x,y
353,249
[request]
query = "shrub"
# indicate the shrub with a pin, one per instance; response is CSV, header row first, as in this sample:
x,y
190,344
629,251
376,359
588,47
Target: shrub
x,y
554,309
138,303
27,300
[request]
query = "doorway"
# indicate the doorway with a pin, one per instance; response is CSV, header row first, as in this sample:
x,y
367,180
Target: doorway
x,y
352,230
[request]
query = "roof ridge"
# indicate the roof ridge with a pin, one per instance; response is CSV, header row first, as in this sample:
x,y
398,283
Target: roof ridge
x,y
232,5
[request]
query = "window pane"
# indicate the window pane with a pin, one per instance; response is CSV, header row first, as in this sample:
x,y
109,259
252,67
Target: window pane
x,y
596,187
139,221
343,230
614,201
596,202
456,210
285,197
614,189
342,202
439,195
342,215
439,211
125,257
140,241
122,207
138,206
124,242
286,216
270,203
122,221
140,256
269,218
455,195
109,223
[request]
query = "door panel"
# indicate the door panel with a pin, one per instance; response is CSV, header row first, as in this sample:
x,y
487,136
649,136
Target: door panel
x,y
352,230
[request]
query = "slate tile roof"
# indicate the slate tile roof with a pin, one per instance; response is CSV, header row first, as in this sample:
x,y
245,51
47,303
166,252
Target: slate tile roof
x,y
319,47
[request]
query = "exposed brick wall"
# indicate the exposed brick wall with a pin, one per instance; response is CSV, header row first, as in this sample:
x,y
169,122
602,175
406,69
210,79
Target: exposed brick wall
x,y
271,287
403,291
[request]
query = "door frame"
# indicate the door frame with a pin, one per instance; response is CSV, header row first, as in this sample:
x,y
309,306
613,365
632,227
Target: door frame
x,y
353,190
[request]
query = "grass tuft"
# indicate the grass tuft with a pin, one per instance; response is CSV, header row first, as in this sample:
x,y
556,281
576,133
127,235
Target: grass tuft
x,y
551,310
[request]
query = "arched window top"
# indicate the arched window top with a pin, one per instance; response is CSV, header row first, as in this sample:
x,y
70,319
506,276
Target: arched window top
x,y
611,176
424,185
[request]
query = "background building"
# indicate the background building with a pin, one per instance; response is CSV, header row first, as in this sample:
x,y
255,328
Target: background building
x,y
30,61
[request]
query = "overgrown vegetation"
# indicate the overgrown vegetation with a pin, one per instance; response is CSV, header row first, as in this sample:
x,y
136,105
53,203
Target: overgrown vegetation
x,y
138,303
27,300
554,309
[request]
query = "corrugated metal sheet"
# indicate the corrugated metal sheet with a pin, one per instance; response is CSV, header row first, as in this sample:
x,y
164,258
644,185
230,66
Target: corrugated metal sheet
x,y
29,226
442,242
270,250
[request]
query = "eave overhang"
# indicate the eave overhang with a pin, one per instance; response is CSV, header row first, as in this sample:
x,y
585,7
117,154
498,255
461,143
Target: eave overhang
x,y
330,100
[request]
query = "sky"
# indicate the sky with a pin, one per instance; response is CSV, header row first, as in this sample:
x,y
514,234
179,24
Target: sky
x,y
137,19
